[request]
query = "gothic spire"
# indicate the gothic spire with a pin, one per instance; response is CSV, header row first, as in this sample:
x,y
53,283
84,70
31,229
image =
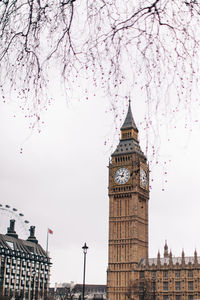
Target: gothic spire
x,y
158,258
129,142
166,254
129,122
183,257
170,258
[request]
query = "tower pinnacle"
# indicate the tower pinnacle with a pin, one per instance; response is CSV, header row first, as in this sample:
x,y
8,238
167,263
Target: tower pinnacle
x,y
166,254
129,142
129,122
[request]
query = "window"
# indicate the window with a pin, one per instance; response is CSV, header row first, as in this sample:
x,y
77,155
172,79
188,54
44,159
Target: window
x,y
165,297
141,286
190,273
178,297
190,285
178,285
154,286
154,275
165,285
190,297
10,244
165,274
177,274
142,274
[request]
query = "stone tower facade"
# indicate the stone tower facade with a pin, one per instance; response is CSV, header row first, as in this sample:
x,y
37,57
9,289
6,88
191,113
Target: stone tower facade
x,y
131,274
128,210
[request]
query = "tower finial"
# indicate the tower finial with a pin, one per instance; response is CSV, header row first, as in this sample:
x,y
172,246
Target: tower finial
x,y
129,122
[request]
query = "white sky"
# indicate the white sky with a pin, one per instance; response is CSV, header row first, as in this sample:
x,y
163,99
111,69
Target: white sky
x,y
60,181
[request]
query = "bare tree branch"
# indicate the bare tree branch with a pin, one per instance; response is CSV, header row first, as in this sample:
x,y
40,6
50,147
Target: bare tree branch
x,y
117,45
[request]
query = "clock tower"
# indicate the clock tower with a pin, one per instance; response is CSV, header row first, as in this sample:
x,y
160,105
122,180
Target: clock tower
x,y
128,210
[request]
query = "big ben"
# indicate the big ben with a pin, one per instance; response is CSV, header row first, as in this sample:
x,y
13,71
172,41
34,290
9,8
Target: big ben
x,y
128,210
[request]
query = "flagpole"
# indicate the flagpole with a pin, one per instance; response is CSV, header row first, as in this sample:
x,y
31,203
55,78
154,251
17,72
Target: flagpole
x,y
47,241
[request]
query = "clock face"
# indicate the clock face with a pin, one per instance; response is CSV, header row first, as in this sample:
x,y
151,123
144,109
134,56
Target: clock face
x,y
122,175
143,178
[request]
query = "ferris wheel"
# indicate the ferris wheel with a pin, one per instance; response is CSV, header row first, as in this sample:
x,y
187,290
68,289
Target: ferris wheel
x,y
21,224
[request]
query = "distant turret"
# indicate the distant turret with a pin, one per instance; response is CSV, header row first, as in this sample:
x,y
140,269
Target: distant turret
x,y
195,257
166,254
158,258
183,257
170,258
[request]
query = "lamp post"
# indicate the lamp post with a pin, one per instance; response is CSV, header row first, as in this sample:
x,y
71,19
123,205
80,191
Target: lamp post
x,y
85,247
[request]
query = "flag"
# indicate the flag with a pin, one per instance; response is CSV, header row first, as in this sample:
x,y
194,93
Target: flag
x,y
50,231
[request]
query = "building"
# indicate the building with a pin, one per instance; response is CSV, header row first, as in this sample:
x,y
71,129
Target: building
x,y
24,266
131,273
174,278
92,291
74,291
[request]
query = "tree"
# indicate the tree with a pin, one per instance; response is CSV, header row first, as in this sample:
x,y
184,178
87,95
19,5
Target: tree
x,y
141,289
64,293
119,45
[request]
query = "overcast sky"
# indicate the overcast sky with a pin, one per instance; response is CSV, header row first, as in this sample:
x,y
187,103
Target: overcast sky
x,y
60,181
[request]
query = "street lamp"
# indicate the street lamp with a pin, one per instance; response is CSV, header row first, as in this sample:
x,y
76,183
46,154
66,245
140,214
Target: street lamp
x,y
85,247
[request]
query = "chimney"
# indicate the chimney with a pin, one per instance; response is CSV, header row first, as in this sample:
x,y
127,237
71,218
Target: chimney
x,y
32,237
11,229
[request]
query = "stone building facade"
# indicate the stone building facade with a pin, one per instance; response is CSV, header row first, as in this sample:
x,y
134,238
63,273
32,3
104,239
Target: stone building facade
x,y
73,291
174,278
24,266
131,273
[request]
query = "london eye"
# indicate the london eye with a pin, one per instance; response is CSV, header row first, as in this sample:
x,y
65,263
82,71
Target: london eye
x,y
21,223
